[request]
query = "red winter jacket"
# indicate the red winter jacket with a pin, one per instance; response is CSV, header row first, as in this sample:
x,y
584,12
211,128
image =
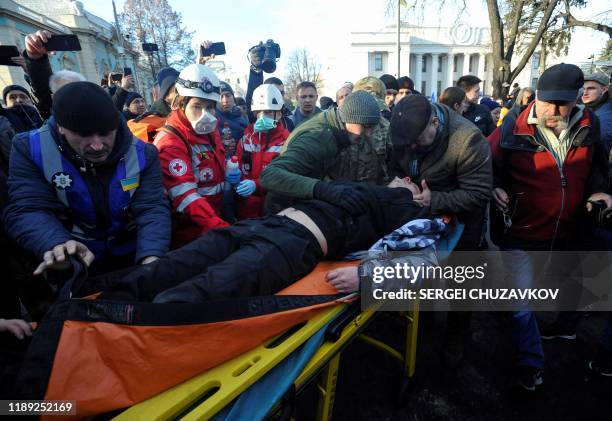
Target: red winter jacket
x,y
193,177
255,151
545,200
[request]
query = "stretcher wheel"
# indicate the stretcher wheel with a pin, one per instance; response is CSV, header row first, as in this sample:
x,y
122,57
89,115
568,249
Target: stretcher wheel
x,y
404,392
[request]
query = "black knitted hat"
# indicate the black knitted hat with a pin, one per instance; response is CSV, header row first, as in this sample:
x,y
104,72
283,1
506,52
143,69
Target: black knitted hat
x,y
10,88
131,97
360,108
410,117
85,108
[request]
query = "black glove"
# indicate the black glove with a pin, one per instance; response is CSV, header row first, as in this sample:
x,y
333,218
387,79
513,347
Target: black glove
x,y
351,199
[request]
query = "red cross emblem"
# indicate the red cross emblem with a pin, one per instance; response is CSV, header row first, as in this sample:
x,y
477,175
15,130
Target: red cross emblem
x,y
177,167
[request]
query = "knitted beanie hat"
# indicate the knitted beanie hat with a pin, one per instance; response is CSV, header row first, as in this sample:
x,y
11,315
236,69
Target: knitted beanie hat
x,y
489,103
10,88
85,108
131,97
360,108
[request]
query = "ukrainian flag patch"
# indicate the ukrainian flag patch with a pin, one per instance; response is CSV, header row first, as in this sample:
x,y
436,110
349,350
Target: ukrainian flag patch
x,y
128,184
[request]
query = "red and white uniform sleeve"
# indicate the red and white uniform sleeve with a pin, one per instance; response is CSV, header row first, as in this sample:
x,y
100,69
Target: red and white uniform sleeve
x,y
182,185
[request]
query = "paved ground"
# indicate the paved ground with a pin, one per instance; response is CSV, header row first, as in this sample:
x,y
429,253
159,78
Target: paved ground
x,y
479,389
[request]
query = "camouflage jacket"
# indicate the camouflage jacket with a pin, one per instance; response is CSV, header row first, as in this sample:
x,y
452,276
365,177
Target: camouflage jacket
x,y
367,160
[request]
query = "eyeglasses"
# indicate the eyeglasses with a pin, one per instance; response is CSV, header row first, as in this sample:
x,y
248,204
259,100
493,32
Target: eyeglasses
x,y
206,85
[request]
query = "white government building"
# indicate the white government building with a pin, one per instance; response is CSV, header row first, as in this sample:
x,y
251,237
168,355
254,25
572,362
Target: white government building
x,y
433,57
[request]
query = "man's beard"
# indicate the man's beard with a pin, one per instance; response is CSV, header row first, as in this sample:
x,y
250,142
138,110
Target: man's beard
x,y
562,123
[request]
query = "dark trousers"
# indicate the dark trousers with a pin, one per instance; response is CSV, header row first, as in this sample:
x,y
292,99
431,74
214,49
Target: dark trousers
x,y
253,257
458,322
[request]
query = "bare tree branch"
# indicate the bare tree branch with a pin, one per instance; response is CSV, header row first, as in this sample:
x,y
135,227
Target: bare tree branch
x,y
552,4
514,26
573,22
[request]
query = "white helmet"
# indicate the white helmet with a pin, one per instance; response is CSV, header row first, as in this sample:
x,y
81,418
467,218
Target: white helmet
x,y
199,81
267,97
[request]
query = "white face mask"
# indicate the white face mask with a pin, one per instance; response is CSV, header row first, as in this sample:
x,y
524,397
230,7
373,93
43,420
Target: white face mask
x,y
207,123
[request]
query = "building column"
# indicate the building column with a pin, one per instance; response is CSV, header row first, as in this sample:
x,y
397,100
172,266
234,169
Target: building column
x,y
404,61
418,76
466,64
450,70
433,78
481,63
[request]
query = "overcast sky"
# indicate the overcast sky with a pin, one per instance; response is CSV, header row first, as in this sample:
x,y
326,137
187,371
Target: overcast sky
x,y
322,26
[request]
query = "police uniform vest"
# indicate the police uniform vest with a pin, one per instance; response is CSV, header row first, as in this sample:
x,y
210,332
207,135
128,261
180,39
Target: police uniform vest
x,y
71,189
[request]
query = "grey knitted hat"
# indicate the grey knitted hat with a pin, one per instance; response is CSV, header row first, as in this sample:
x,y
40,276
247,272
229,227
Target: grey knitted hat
x,y
360,108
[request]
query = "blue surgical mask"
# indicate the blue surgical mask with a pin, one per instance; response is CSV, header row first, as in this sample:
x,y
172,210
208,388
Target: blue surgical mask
x,y
264,124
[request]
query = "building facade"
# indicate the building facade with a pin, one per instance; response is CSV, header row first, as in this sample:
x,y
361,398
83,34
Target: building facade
x,y
433,57
101,51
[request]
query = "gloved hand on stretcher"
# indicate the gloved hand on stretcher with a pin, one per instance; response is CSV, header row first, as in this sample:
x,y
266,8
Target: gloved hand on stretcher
x,y
349,198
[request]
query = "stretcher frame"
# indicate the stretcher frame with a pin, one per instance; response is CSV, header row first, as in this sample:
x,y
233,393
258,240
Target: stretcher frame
x,y
206,394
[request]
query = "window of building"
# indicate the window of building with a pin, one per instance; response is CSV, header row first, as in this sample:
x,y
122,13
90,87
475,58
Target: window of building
x,y
535,61
486,63
439,88
455,60
470,64
424,64
439,64
423,85
378,62
534,82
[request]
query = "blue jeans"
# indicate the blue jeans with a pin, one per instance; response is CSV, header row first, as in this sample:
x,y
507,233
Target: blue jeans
x,y
525,332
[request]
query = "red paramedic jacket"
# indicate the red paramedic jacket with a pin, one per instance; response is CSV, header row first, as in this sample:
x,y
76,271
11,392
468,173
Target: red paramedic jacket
x,y
194,176
255,151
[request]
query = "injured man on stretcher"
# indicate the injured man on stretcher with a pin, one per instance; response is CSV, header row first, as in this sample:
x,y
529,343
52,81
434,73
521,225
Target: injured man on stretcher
x,y
262,256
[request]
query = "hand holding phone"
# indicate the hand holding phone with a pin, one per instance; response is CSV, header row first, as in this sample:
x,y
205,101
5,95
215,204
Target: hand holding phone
x,y
115,77
63,43
216,48
35,44
208,50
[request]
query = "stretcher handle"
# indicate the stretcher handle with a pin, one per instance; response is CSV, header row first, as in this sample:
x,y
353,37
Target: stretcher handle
x,y
76,280
335,328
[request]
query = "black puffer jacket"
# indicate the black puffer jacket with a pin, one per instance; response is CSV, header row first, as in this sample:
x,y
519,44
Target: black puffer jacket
x,y
481,117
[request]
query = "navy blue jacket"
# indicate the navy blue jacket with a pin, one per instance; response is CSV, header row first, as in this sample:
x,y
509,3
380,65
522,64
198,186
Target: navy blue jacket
x,y
603,110
38,220
236,121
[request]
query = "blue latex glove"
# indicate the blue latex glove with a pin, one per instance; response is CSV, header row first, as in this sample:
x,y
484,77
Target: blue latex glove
x,y
233,177
246,188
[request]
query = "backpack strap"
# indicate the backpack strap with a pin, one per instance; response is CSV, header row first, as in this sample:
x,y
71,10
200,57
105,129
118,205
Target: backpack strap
x,y
178,134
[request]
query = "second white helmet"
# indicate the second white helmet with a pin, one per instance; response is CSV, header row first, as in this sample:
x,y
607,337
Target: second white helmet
x,y
267,97
199,81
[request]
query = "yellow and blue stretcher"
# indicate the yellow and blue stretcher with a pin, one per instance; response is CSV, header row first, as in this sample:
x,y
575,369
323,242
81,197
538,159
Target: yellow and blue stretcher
x,y
210,394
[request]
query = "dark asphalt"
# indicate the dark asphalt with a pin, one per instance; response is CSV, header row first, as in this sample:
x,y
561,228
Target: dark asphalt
x,y
479,389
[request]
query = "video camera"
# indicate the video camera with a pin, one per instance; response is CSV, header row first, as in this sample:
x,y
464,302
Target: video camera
x,y
264,56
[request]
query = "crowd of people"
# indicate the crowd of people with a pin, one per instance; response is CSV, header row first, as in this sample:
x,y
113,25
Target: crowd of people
x,y
242,196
